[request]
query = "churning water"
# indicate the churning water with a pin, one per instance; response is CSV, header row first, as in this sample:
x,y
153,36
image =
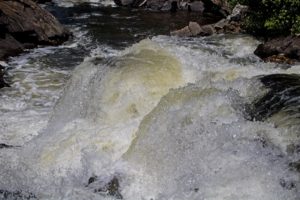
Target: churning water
x,y
160,118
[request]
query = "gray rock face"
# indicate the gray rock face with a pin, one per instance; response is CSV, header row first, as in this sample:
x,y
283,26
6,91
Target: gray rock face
x,y
286,46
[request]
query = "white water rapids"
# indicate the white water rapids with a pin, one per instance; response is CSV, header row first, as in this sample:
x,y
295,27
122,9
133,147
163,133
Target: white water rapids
x,y
165,116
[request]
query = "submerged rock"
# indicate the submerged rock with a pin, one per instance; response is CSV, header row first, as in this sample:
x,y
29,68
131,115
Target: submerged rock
x,y
295,166
282,96
16,195
5,146
285,46
110,188
2,83
24,23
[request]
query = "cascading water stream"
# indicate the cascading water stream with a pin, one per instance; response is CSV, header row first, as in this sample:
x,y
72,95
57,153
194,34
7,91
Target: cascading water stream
x,y
164,118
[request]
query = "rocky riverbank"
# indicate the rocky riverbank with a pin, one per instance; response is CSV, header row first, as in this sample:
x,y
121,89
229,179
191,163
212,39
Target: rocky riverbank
x,y
24,24
282,49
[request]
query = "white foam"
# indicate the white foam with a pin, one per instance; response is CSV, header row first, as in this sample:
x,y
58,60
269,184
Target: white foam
x,y
194,145
192,142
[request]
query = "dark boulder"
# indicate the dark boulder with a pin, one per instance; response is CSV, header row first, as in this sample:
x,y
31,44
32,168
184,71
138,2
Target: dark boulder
x,y
9,46
5,146
111,188
23,23
27,22
2,84
285,46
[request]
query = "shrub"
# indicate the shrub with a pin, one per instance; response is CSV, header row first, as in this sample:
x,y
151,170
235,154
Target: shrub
x,y
272,17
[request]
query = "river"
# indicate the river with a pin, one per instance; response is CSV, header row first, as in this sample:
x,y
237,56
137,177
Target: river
x,y
125,111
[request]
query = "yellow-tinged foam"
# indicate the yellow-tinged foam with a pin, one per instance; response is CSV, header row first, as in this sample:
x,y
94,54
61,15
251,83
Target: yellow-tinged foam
x,y
130,90
138,81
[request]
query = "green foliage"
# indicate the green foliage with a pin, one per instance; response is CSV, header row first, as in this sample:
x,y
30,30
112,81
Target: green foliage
x,y
272,17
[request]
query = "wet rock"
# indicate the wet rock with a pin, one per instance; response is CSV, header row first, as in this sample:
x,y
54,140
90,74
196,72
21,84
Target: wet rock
x,y
285,46
184,32
289,185
293,148
126,2
23,24
158,4
92,180
232,24
16,195
295,166
110,188
27,22
280,59
226,25
207,30
173,5
238,13
220,25
5,146
196,6
283,93
9,46
42,1
195,28
192,29
2,83
223,4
